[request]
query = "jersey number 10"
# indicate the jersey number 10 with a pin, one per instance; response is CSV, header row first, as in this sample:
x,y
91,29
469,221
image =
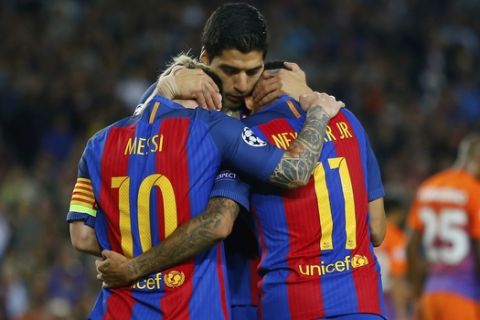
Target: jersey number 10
x,y
143,205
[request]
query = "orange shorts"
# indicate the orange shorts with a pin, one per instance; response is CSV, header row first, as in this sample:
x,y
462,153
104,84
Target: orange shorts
x,y
448,306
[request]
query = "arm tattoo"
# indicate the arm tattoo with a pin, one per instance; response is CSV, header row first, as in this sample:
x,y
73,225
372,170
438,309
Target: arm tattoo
x,y
193,237
298,162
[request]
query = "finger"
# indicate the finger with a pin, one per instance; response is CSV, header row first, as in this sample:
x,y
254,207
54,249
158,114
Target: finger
x,y
267,74
211,97
292,66
212,83
270,97
200,99
100,276
265,87
214,94
217,99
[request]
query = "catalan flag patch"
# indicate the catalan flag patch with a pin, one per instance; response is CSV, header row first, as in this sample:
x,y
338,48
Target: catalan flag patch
x,y
83,200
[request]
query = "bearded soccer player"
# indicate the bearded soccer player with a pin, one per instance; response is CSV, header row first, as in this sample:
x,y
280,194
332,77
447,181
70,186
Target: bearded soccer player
x,y
148,174
317,241
445,219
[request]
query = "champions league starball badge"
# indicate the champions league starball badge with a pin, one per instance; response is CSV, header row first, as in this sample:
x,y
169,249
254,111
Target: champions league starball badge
x,y
251,139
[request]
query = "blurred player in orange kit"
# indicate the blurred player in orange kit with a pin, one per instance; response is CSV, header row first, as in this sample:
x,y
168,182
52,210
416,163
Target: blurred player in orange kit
x,y
392,257
445,218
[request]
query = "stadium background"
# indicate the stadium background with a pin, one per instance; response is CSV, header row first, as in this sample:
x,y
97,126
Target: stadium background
x,y
409,69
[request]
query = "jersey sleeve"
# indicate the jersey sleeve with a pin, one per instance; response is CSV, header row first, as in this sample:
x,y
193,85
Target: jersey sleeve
x,y
374,182
243,151
228,185
83,206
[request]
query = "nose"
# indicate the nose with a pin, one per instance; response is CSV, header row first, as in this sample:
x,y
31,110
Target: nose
x,y
241,83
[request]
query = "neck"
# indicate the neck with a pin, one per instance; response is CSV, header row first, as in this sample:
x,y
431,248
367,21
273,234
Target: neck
x,y
232,113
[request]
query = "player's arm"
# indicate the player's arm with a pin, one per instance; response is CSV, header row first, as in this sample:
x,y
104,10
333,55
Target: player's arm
x,y
82,212
83,238
378,222
416,263
299,160
193,237
280,78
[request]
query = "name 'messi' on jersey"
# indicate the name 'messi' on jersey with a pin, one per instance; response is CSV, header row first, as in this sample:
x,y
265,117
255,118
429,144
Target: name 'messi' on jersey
x,y
144,146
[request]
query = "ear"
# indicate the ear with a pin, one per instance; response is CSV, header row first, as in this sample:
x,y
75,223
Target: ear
x,y
204,57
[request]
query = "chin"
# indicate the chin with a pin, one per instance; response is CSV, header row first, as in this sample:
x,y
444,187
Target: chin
x,y
227,105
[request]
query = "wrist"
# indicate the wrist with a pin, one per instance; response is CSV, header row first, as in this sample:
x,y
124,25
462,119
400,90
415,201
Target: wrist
x,y
166,87
318,111
133,272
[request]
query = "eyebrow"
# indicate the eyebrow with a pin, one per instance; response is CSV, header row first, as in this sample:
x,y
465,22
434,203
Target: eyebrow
x,y
223,65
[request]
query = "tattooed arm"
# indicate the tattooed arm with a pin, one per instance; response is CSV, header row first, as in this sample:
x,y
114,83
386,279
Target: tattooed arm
x,y
198,234
298,162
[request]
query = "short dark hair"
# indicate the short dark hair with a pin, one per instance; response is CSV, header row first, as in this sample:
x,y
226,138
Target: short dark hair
x,y
235,26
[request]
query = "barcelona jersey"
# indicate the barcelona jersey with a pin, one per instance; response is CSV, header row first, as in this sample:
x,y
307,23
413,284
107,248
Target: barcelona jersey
x,y
141,178
317,259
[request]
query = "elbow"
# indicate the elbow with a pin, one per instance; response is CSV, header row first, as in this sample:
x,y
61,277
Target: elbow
x,y
83,238
297,183
377,241
81,243
378,232
223,229
78,243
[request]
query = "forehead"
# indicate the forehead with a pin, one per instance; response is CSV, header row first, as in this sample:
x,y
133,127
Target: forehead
x,y
239,60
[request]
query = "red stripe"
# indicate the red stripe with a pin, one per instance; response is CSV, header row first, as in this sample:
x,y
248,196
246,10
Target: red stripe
x,y
83,201
173,163
306,225
120,305
221,280
254,278
115,164
261,241
303,227
78,188
365,278
89,195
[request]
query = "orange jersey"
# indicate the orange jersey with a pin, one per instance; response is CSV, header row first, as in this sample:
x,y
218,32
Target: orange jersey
x,y
391,254
447,211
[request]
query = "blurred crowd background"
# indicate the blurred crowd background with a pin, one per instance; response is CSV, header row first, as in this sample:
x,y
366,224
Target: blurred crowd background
x,y
409,69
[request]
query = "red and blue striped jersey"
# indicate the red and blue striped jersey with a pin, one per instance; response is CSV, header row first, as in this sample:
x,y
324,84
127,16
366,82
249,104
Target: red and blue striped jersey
x,y
317,259
141,178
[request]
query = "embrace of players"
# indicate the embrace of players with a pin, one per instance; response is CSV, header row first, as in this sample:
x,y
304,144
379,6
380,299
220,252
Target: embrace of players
x,y
286,176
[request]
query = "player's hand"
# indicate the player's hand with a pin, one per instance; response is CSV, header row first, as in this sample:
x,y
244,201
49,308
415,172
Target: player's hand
x,y
185,83
273,83
328,103
113,270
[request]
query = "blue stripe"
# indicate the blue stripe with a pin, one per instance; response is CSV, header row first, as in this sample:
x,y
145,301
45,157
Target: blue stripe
x,y
137,172
206,287
100,306
275,230
94,155
147,305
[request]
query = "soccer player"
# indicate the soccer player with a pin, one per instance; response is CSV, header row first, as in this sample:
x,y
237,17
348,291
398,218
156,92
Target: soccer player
x,y
148,174
316,241
393,261
445,219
